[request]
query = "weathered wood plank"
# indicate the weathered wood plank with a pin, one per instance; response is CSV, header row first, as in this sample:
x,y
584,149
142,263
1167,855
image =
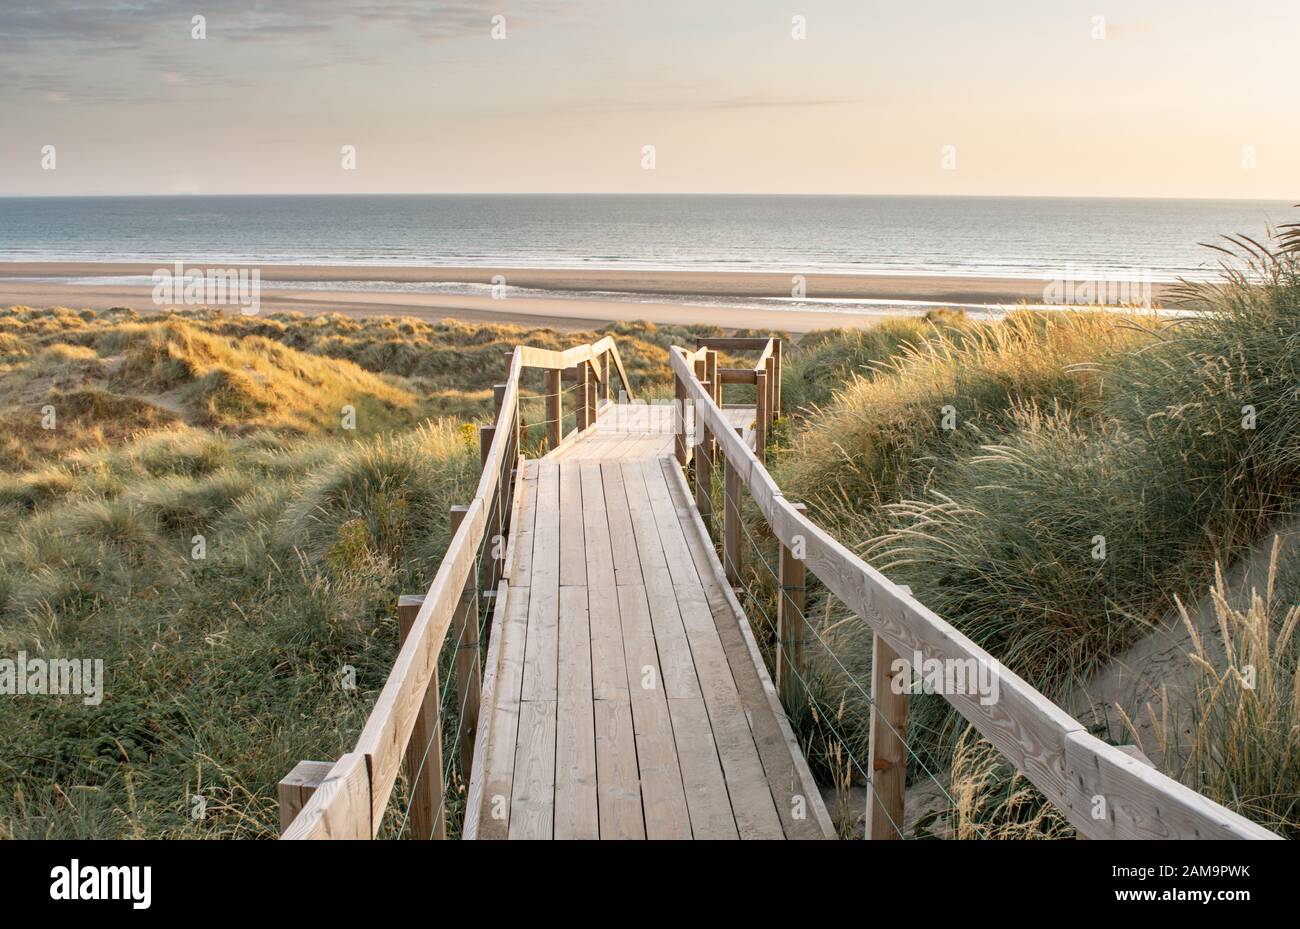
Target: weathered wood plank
x,y
662,795
798,800
702,778
296,788
519,549
340,806
595,527
622,538
732,558
752,801
488,722
1113,795
541,661
424,773
573,552
679,679
608,662
575,752
791,629
733,343
887,752
509,636
532,804
577,813
618,786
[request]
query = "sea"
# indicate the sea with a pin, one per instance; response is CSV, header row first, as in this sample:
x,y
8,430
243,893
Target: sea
x,y
1156,240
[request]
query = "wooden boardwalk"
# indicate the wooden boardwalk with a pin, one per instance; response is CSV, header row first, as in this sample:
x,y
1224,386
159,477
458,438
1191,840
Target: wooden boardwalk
x,y
624,694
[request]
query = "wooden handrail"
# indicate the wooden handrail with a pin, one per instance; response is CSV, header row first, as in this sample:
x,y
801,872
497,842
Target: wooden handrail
x,y
351,799
732,343
546,358
1071,767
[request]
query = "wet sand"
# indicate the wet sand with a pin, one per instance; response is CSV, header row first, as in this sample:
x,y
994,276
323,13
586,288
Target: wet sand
x,y
569,302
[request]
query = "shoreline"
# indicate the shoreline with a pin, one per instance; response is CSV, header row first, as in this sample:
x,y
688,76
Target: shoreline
x,y
570,299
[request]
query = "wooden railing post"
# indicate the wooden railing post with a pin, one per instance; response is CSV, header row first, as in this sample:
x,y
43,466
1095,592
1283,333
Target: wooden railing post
x,y
296,788
790,631
584,395
760,415
731,521
776,378
679,420
604,381
715,387
424,752
593,394
486,434
703,459
468,670
704,475
554,406
771,391
887,751
511,451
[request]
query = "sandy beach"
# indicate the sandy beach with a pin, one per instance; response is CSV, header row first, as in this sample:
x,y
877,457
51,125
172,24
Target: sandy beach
x,y
572,299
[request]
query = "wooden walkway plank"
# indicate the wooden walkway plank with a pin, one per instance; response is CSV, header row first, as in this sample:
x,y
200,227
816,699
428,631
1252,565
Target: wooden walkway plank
x,y
532,805
608,663
670,636
751,796
575,750
622,541
503,721
702,777
595,524
573,550
624,701
650,552
616,772
541,659
520,564
662,794
803,814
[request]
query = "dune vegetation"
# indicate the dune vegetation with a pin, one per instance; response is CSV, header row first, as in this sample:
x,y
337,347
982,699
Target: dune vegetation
x,y
224,509
1052,484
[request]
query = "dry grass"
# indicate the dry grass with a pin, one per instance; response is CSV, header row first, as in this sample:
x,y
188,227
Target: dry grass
x,y
994,801
1245,744
221,672
1177,442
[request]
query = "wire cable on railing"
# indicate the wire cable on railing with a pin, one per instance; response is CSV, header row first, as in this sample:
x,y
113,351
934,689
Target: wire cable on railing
x,y
809,627
440,730
823,715
424,756
480,622
827,648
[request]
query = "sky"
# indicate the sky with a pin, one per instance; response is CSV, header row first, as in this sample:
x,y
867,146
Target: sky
x,y
1124,98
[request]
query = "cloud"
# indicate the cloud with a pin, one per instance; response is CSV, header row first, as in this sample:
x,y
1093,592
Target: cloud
x,y
105,26
105,52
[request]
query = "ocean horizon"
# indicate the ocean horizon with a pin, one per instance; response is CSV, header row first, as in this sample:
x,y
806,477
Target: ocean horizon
x,y
1008,237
